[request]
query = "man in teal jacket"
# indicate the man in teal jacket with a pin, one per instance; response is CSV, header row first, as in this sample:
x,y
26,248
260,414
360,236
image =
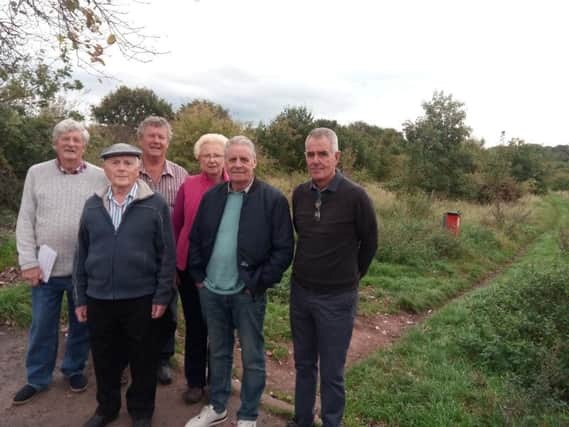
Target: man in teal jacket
x,y
241,244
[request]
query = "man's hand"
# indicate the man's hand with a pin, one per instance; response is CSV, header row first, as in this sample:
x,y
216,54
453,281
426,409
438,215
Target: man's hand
x,y
81,313
199,285
158,310
32,275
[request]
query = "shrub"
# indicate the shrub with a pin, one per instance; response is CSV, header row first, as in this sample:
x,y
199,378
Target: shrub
x,y
521,329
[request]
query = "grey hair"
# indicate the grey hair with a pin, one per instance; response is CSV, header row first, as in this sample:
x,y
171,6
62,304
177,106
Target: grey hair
x,y
241,140
209,138
329,134
69,125
154,121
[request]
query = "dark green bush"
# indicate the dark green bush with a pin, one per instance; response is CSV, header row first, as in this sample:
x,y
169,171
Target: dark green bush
x,y
521,331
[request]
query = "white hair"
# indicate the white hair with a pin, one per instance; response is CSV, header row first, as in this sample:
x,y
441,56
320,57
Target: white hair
x,y
329,134
69,125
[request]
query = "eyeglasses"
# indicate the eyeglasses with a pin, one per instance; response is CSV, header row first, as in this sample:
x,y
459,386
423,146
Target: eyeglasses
x,y
211,156
317,206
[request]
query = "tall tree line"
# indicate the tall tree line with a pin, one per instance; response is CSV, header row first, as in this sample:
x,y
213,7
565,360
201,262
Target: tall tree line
x,y
435,153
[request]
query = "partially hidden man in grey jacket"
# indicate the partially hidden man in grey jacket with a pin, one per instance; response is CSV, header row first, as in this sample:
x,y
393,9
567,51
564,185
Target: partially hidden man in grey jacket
x,y
123,276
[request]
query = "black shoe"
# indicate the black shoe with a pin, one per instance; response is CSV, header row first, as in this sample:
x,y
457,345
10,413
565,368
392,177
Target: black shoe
x,y
142,422
78,383
164,375
193,395
25,394
99,420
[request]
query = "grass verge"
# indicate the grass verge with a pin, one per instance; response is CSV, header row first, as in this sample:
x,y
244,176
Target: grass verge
x,y
499,356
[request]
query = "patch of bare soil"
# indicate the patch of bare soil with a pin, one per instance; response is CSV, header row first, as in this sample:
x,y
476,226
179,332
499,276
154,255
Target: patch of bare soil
x,y
370,334
9,276
59,407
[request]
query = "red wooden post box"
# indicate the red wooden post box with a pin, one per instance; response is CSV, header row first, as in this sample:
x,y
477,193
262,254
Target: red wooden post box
x,y
451,221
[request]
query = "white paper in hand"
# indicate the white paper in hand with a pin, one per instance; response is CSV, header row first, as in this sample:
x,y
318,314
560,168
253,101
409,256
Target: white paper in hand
x,y
46,258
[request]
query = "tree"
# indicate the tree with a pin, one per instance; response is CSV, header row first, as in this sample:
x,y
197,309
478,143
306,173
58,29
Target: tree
x,y
34,86
39,39
283,139
435,141
125,108
374,148
192,121
84,28
528,165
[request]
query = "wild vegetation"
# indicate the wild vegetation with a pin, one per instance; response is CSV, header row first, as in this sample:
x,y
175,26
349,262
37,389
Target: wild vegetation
x,y
481,361
496,357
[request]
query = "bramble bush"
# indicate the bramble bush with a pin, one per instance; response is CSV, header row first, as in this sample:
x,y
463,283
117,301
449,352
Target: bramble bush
x,y
521,332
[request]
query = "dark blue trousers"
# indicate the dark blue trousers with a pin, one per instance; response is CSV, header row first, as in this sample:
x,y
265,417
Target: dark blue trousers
x,y
322,327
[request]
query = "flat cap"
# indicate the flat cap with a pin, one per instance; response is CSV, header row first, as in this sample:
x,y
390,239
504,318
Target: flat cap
x,y
121,149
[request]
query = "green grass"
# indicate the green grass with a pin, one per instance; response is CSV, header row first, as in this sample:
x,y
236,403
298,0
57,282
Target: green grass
x,y
499,356
16,304
419,266
8,253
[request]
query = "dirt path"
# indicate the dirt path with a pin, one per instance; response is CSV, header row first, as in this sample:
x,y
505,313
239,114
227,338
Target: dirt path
x,y
371,333
58,407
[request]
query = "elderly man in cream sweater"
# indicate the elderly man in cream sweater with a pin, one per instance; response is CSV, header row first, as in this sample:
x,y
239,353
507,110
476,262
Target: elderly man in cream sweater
x,y
52,201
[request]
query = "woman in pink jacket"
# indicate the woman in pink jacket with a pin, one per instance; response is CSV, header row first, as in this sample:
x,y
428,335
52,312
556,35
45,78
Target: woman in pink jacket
x,y
209,150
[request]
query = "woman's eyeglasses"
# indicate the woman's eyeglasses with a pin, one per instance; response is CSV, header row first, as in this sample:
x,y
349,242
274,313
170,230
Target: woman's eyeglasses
x,y
211,156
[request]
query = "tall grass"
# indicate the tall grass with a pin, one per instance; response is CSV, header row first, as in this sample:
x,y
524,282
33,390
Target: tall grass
x,y
498,357
8,253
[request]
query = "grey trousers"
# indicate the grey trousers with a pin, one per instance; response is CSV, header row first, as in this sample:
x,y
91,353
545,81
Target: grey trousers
x,y
322,327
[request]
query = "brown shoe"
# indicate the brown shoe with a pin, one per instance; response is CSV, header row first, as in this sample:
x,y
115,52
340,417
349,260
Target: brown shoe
x,y
193,395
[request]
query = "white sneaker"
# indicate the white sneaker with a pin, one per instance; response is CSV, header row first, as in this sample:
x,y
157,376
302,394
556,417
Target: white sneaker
x,y
207,417
244,423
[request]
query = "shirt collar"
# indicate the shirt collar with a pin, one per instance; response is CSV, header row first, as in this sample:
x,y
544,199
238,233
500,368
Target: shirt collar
x,y
245,190
130,196
79,169
166,170
332,185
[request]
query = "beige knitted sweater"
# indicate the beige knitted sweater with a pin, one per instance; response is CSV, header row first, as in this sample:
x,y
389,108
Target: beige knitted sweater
x,y
51,207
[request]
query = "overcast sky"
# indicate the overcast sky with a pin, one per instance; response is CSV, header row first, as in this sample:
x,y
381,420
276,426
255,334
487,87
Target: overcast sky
x,y
375,61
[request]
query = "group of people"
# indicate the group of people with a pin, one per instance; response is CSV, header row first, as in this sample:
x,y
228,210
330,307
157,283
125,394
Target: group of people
x,y
130,237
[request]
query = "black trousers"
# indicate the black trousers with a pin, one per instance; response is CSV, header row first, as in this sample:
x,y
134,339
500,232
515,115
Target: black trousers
x,y
195,351
117,329
168,333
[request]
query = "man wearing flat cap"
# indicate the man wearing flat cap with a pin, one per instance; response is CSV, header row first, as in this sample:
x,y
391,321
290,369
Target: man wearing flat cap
x,y
123,272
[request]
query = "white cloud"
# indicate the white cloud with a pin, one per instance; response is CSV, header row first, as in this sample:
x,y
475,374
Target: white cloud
x,y
362,60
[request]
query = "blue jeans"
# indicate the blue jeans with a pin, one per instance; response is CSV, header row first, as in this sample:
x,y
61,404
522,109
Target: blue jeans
x,y
225,314
44,334
321,326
